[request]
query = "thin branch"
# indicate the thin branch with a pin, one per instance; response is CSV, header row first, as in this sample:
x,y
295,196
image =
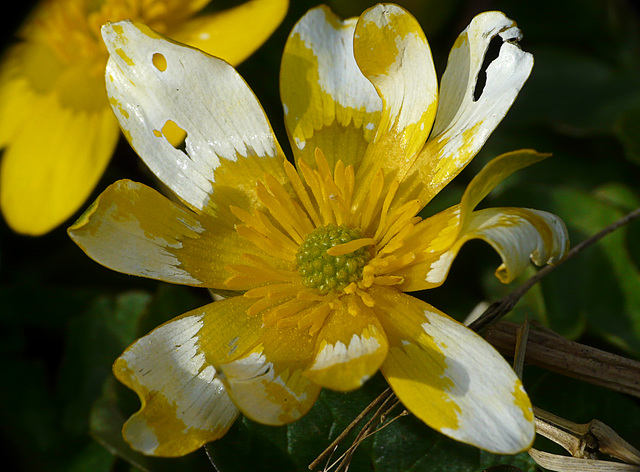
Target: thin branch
x,y
329,450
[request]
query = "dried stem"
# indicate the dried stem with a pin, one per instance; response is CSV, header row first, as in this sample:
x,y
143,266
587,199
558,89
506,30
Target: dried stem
x,y
329,450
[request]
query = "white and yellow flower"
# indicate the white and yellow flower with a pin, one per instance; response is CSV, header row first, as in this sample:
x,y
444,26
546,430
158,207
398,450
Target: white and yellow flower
x,y
321,253
56,127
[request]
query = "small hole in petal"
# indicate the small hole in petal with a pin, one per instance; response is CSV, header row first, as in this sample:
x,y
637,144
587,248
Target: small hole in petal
x,y
175,135
159,61
492,53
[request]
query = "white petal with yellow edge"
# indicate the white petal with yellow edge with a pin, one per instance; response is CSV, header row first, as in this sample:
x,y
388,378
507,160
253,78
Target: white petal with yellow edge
x,y
351,347
327,101
464,123
451,378
161,92
184,404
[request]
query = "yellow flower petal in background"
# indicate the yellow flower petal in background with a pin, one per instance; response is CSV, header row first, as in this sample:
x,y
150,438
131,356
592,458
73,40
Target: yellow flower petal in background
x,y
56,128
319,253
233,34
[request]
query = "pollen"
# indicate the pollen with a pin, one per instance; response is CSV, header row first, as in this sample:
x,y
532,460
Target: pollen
x,y
325,269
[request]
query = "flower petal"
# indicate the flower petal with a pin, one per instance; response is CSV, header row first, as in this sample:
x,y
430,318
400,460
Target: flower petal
x,y
328,103
464,123
350,348
131,228
56,144
451,378
493,173
159,89
267,382
233,34
517,234
184,403
392,52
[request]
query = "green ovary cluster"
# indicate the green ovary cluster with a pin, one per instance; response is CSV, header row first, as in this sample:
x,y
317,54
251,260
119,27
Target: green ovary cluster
x,y
323,271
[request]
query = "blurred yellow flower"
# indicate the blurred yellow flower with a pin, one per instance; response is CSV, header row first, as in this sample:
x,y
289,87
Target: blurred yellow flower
x,y
56,127
320,253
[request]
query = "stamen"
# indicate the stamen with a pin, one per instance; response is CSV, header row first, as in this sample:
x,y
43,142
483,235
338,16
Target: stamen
x,y
278,211
261,224
393,188
371,202
299,220
301,192
256,272
312,179
364,296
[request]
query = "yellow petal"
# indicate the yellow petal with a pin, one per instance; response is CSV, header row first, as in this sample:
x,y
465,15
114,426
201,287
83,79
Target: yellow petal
x,y
52,163
350,347
429,241
133,229
392,52
184,403
493,173
234,34
267,382
205,97
464,123
451,378
328,103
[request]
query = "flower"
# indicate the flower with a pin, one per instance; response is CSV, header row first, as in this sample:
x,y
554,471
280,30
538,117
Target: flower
x,y
320,254
56,126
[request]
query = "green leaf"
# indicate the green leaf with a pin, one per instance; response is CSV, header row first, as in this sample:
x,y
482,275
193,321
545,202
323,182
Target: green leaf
x,y
627,130
95,339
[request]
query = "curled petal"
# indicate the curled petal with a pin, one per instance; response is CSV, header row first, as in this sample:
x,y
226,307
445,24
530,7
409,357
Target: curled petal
x,y
464,122
451,378
518,234
184,113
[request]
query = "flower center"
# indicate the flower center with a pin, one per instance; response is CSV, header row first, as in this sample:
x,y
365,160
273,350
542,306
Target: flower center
x,y
321,269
